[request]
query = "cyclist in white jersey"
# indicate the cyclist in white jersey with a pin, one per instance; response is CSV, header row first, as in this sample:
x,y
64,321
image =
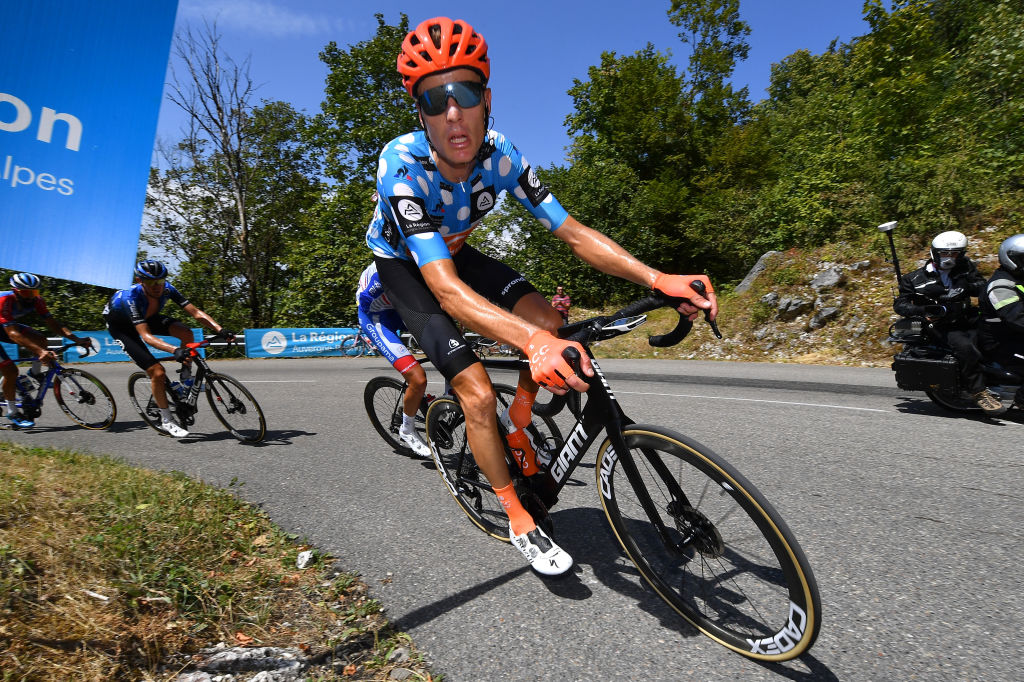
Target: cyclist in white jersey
x,y
433,187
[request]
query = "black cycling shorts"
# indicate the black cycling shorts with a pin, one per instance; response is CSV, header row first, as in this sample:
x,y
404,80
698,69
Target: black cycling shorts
x,y
128,337
423,316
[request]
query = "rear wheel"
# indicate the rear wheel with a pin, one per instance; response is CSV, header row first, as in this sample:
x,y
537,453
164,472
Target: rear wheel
x,y
446,432
235,407
709,544
84,399
140,393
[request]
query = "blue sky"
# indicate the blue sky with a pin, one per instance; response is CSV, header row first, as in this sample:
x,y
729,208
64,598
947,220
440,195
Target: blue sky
x,y
536,48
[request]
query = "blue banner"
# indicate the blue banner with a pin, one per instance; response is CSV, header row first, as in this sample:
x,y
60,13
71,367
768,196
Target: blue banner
x,y
295,342
80,90
11,349
106,349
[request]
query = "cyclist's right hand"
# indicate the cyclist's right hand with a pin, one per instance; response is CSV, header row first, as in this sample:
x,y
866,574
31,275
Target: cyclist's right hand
x,y
549,369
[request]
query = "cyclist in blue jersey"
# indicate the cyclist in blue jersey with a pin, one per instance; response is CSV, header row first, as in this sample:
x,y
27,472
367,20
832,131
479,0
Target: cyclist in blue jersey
x,y
379,321
433,187
22,300
134,320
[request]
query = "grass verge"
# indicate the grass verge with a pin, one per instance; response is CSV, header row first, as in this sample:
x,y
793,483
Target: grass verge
x,y
108,572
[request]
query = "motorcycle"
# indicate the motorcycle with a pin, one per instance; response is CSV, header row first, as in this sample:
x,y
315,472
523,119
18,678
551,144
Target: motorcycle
x,y
927,364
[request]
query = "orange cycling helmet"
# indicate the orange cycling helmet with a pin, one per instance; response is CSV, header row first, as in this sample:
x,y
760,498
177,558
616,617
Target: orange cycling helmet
x,y
459,46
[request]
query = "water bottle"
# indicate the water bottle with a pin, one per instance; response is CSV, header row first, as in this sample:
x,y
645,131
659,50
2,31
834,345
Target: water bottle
x,y
24,385
178,389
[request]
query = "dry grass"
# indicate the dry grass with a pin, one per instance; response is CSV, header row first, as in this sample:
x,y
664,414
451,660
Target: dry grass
x,y
113,573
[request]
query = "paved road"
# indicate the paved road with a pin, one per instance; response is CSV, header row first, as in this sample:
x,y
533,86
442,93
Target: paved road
x,y
909,516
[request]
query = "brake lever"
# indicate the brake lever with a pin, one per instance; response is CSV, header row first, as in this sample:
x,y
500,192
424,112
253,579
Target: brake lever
x,y
699,287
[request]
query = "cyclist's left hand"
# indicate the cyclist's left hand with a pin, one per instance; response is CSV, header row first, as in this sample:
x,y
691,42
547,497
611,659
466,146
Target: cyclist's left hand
x,y
549,369
47,357
226,334
678,286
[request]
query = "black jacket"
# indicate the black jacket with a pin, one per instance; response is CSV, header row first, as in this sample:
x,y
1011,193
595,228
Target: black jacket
x,y
923,287
1002,311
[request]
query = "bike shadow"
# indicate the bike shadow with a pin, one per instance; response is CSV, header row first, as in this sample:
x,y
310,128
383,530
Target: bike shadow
x,y
272,438
585,534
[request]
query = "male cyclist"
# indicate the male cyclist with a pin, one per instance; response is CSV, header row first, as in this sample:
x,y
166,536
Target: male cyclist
x,y
23,299
134,320
434,185
379,321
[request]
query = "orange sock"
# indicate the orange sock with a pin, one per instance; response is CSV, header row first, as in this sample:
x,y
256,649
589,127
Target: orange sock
x,y
520,519
519,410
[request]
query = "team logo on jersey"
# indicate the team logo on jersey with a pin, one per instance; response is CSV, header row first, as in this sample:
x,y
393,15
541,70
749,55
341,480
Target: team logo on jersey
x,y
482,202
390,234
411,214
531,185
403,172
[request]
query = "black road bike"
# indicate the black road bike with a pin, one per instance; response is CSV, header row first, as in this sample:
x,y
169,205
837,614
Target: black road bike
x,y
232,403
703,537
84,399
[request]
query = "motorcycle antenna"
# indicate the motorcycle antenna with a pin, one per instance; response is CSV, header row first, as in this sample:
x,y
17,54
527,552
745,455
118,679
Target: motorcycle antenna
x,y
888,228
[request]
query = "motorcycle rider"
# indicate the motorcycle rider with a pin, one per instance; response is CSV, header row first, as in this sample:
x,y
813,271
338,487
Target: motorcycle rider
x,y
1001,336
940,292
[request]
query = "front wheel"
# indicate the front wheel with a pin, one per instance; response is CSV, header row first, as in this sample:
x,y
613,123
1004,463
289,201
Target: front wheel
x,y
384,399
235,407
84,399
140,393
709,544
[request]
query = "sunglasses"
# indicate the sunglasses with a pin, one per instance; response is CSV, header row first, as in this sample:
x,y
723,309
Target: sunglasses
x,y
467,94
27,293
154,282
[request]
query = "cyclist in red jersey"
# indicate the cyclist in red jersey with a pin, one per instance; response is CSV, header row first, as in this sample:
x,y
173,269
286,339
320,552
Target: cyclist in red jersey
x,y
22,300
433,187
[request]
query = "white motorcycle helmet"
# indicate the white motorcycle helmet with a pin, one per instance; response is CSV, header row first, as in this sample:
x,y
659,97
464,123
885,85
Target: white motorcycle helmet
x,y
948,248
1011,254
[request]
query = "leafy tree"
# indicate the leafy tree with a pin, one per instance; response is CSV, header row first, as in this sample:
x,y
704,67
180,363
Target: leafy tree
x,y
365,105
233,192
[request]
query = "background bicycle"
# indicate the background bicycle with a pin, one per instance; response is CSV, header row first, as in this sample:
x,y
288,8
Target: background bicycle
x,y
231,402
357,345
701,535
82,397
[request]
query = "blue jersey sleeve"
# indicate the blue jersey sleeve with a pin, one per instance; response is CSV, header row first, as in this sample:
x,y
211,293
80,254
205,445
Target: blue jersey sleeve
x,y
522,182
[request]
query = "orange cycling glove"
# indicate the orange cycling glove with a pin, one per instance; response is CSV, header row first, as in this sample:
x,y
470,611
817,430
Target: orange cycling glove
x,y
678,286
547,366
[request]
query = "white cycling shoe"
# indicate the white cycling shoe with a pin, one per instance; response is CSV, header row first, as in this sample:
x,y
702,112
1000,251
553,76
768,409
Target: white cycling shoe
x,y
544,555
415,443
173,430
